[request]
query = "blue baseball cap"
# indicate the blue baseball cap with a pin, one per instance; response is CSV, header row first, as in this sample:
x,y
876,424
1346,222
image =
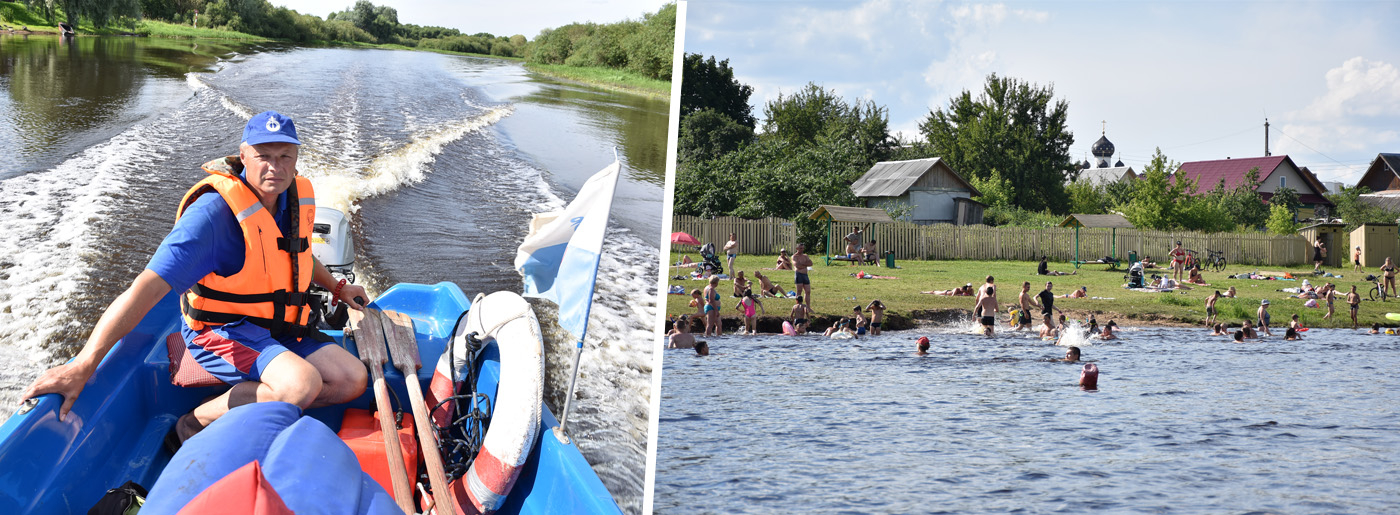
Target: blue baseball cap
x,y
270,127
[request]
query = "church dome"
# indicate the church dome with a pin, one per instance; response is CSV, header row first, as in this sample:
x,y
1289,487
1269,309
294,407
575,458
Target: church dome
x,y
1119,164
1103,147
1084,165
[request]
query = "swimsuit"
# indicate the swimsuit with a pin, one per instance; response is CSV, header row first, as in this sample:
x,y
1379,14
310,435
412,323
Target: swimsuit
x,y
1024,317
801,278
875,325
749,311
988,321
798,321
1210,311
1264,320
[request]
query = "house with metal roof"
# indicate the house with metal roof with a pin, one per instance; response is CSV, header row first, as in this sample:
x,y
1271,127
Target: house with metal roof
x,y
1274,172
1383,179
1106,176
935,192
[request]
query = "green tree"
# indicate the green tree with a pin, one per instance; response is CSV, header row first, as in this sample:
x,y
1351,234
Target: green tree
x,y
1158,202
1288,198
707,134
1243,203
815,115
996,190
706,83
1012,126
1281,220
1086,198
1350,208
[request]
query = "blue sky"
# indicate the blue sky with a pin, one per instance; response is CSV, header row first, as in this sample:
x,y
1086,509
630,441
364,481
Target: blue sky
x,y
1194,78
525,17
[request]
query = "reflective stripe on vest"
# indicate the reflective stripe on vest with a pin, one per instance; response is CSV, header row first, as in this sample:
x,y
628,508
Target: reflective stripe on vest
x,y
262,291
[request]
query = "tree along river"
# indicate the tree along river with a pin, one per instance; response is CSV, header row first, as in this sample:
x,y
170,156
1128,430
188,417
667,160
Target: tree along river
x,y
440,160
1181,422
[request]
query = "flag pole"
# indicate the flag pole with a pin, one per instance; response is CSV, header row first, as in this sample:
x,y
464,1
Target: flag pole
x,y
561,431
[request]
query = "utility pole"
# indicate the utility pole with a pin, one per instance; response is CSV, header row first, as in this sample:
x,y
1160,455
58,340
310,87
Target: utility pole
x,y
1266,138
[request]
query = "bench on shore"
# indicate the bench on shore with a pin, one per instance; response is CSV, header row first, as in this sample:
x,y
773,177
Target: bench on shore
x,y
1111,262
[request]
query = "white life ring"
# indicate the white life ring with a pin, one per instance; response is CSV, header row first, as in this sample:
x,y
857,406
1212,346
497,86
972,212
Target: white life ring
x,y
508,319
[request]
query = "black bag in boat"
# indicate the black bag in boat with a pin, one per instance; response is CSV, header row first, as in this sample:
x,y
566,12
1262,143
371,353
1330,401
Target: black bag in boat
x,y
123,500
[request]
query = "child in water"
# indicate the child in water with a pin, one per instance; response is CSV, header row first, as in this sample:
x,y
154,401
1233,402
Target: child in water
x,y
746,305
877,315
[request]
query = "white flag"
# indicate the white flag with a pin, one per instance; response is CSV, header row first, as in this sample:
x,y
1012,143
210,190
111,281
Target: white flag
x,y
559,258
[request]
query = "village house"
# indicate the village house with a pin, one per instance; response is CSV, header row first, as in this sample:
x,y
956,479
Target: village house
x,y
934,192
1383,179
1274,172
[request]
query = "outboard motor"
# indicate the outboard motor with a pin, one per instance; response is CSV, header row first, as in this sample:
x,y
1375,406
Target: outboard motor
x,y
333,247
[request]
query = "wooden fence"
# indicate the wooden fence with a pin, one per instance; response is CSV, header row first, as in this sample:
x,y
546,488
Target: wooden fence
x,y
980,242
762,236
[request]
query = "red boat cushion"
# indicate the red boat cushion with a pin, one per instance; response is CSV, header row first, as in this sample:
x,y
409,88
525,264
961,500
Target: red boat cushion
x,y
242,491
184,370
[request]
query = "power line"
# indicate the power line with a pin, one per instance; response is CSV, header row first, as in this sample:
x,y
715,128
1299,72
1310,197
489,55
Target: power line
x,y
1318,152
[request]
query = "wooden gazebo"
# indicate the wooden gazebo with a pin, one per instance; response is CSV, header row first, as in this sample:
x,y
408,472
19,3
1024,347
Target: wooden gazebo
x,y
1109,221
860,215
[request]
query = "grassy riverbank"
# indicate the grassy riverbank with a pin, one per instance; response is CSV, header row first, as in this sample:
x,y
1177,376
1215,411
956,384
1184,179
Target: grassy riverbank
x,y
607,78
836,291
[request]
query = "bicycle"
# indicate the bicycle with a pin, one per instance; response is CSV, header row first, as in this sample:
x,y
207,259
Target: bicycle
x,y
1215,260
1378,291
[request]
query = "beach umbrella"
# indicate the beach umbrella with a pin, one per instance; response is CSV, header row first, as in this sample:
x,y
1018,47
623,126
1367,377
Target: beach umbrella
x,y
682,237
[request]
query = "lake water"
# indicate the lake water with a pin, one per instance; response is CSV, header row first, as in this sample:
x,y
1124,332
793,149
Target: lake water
x,y
1181,422
439,159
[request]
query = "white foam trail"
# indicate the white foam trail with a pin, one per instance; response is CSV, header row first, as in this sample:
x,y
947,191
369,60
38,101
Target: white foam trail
x,y
341,188
48,216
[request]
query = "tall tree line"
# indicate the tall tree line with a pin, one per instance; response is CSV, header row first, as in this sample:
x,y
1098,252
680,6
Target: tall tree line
x,y
642,46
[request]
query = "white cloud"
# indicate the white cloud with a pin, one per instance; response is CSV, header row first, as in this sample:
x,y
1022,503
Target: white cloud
x,y
1356,113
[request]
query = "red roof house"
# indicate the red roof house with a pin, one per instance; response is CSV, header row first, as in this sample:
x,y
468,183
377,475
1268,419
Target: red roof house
x,y
1274,172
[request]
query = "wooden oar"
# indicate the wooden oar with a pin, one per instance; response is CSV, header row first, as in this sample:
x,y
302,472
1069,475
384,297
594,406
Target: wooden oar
x,y
403,346
369,339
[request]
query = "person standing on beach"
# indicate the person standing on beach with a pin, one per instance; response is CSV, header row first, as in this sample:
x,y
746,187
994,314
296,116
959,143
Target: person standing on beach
x,y
801,263
1388,271
1356,259
1178,255
731,251
1210,308
1354,300
1329,293
1318,252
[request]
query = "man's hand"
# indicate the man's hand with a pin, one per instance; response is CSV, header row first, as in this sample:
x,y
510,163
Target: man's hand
x,y
350,292
67,380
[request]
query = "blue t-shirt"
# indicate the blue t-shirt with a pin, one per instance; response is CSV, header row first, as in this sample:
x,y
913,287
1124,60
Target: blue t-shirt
x,y
205,239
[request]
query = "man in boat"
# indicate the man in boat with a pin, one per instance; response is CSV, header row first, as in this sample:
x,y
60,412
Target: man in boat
x,y
239,245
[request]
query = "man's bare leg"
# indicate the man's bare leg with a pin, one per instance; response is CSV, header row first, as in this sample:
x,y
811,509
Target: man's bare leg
x,y
328,376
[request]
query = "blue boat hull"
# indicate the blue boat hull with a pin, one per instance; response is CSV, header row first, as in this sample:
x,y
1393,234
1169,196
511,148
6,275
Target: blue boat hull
x,y
114,432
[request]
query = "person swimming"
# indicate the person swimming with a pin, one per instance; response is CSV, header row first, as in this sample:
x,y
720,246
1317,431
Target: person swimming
x,y
702,349
923,345
1071,355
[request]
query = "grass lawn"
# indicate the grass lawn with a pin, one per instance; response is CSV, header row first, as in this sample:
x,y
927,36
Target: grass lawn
x,y
836,291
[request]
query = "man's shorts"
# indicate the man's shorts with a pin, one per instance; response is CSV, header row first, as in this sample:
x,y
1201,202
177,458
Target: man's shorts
x,y
801,278
1210,311
989,321
1024,317
241,351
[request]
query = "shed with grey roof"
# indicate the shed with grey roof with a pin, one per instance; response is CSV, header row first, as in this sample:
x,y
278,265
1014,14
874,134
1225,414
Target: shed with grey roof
x,y
935,193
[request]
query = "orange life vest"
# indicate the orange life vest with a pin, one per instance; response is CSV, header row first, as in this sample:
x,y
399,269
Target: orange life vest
x,y
262,291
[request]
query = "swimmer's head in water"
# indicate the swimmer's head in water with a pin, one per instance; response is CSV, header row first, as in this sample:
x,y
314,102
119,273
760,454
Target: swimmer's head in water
x,y
702,349
1239,336
923,343
1072,354
1089,377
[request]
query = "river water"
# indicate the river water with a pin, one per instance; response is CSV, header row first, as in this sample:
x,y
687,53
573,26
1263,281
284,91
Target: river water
x,y
439,159
1181,422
